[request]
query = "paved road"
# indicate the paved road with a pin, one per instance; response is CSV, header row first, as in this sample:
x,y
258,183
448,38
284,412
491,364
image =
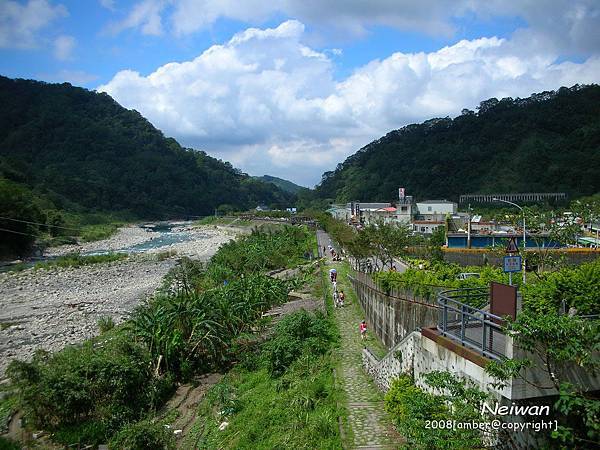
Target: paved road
x,y
324,241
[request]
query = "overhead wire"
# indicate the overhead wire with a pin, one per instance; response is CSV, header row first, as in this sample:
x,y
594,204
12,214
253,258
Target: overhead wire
x,y
17,232
39,223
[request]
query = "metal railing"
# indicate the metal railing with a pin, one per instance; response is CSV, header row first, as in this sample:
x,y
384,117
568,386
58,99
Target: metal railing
x,y
462,318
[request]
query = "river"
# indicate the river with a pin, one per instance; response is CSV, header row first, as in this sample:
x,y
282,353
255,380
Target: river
x,y
49,309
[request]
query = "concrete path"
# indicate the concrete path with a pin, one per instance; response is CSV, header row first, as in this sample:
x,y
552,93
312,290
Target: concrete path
x,y
368,425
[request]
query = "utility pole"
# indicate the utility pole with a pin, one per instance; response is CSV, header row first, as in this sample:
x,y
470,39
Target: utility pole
x,y
524,241
469,226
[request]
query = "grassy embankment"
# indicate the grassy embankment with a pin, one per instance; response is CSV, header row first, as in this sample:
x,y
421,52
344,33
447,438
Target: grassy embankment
x,y
108,389
282,394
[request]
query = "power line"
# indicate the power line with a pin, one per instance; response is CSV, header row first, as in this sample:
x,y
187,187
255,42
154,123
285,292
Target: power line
x,y
18,232
39,223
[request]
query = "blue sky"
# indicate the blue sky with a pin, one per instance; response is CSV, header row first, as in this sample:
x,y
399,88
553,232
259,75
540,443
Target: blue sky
x,y
290,87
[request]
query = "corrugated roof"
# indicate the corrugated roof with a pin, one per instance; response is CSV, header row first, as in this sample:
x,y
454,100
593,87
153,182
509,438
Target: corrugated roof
x,y
436,201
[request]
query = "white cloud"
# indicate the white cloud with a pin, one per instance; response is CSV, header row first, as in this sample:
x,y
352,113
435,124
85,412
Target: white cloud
x,y
566,25
20,24
63,47
145,15
108,4
270,104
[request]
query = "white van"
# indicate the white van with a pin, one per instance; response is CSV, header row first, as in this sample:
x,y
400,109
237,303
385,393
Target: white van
x,y
465,275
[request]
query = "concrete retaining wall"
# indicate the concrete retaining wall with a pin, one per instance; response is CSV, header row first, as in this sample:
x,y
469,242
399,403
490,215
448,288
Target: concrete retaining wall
x,y
391,317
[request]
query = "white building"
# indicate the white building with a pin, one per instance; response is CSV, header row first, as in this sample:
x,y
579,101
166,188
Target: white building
x,y
435,210
339,212
427,226
405,210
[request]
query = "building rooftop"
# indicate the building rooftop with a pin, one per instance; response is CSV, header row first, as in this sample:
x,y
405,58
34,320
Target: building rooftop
x,y
436,201
375,205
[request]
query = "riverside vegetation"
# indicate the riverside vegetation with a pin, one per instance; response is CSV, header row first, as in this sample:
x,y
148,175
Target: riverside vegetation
x,y
74,158
109,388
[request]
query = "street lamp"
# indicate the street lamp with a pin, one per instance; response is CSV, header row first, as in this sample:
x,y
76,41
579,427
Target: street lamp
x,y
524,241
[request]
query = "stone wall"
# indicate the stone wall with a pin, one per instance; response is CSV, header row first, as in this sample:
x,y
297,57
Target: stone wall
x,y
400,359
391,317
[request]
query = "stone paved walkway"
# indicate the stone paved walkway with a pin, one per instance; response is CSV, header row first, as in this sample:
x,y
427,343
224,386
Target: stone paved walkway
x,y
368,425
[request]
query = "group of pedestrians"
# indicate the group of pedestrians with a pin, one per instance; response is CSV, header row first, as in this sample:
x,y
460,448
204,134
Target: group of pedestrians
x,y
339,297
334,255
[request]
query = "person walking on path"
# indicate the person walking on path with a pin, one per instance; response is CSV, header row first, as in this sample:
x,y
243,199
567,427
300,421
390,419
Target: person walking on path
x,y
363,330
332,275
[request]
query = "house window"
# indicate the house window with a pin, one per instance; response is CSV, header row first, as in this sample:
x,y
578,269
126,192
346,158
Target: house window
x,y
404,208
429,208
422,229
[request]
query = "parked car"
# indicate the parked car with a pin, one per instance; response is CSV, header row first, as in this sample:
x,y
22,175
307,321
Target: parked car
x,y
465,275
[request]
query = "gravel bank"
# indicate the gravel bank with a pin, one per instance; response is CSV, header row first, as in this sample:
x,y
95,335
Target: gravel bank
x,y
49,309
123,238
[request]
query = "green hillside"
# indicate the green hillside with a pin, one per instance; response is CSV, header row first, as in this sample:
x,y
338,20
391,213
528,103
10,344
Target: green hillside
x,y
64,148
549,142
282,184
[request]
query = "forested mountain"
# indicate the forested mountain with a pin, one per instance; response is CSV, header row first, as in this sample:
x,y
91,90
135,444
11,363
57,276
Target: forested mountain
x,y
549,142
282,184
84,148
64,148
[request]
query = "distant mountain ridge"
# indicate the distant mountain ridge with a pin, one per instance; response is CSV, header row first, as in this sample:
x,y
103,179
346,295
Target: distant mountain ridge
x,y
549,142
84,151
282,184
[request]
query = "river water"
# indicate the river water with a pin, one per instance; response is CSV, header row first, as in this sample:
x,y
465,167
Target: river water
x,y
168,235
163,235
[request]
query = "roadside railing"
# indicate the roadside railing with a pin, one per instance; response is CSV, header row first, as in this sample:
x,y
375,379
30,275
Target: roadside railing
x,y
462,318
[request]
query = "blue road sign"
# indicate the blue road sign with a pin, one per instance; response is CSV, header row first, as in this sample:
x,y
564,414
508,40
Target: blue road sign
x,y
512,263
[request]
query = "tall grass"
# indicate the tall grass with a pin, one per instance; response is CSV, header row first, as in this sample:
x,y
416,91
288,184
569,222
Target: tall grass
x,y
87,393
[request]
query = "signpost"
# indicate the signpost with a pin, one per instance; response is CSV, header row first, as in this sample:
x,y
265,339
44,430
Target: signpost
x,y
512,246
512,263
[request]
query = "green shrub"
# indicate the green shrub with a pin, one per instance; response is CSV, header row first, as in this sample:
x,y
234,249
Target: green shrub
x,y
95,387
436,276
8,444
298,333
105,323
578,286
144,435
261,251
90,432
98,232
195,330
8,406
411,409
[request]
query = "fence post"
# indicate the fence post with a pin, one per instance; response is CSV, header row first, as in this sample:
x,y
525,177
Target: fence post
x,y
484,334
462,324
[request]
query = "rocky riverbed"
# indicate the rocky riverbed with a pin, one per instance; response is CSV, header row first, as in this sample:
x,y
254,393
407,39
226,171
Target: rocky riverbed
x,y
49,309
125,237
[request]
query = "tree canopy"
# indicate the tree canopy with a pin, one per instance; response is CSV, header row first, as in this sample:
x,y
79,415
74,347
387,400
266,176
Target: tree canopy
x,y
83,150
548,142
